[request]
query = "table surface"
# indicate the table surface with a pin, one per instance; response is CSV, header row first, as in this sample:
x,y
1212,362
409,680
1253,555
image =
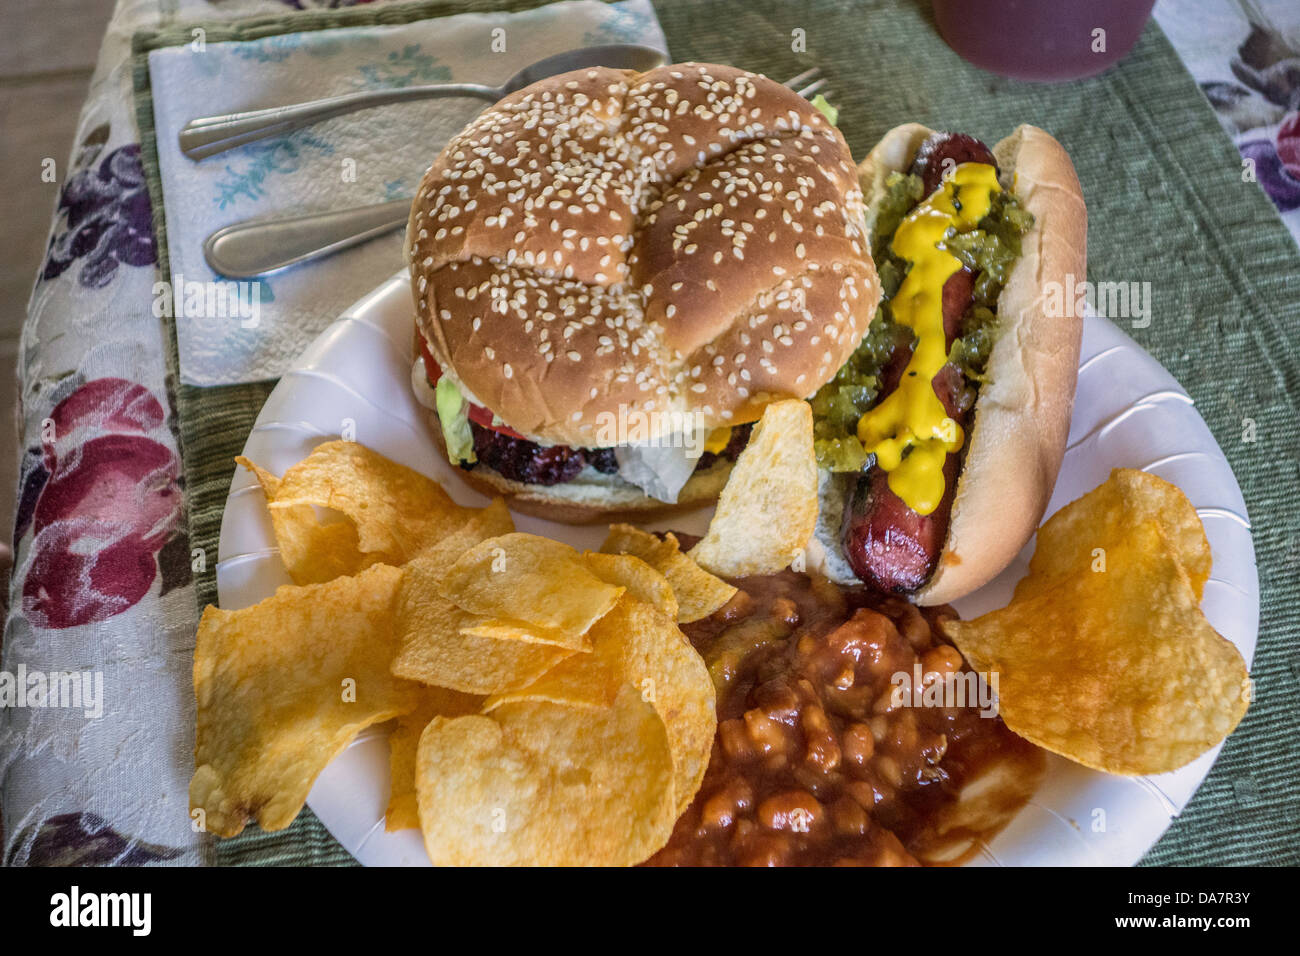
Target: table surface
x,y
96,363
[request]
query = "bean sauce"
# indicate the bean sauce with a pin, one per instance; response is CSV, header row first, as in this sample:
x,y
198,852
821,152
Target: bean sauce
x,y
817,762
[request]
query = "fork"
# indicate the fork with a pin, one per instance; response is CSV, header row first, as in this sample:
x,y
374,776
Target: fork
x,y
809,83
258,247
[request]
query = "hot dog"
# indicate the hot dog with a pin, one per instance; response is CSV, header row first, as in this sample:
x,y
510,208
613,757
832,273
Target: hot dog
x,y
888,545
981,389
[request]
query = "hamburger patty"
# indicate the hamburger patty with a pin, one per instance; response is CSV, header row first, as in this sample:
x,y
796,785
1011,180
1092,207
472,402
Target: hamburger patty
x,y
521,460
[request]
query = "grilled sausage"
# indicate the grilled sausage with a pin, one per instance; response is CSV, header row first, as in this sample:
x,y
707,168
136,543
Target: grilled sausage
x,y
888,545
944,152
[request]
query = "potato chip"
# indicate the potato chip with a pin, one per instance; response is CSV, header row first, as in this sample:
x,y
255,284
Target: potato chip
x,y
397,512
437,649
446,645
1066,542
533,580
489,522
539,784
315,550
767,511
403,812
282,687
1115,669
438,646
312,551
637,645
697,592
474,625
641,580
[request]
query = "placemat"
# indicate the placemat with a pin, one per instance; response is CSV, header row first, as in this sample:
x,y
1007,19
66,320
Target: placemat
x,y
1167,204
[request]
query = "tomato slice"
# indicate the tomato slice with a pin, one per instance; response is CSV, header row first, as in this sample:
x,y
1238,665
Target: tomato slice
x,y
477,413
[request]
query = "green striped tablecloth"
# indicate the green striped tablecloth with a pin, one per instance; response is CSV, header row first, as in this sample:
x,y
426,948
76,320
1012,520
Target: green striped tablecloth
x,y
1167,205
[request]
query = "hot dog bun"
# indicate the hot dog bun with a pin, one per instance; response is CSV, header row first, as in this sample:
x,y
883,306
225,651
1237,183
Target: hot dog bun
x,y
1022,415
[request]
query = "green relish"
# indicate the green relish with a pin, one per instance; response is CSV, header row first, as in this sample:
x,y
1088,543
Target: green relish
x,y
989,250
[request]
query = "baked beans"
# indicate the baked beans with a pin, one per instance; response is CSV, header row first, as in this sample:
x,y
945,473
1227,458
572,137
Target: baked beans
x,y
815,762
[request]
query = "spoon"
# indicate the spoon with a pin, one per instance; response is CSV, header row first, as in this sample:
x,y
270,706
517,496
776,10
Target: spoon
x,y
210,135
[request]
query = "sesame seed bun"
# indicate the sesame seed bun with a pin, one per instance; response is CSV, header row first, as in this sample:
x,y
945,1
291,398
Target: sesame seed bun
x,y
1022,414
684,242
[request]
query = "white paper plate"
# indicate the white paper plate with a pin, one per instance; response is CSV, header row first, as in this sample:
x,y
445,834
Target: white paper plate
x,y
1128,412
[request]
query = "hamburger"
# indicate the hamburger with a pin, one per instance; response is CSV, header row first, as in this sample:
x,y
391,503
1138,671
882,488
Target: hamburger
x,y
614,273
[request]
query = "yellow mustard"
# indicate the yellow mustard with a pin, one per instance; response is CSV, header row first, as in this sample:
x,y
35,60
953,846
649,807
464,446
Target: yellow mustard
x,y
909,432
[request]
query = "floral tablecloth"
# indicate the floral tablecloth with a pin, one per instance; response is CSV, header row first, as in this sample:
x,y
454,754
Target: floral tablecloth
x,y
103,585
1246,56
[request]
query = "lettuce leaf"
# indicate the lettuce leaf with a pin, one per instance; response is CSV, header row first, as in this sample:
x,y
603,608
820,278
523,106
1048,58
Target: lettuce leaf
x,y
453,415
830,112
